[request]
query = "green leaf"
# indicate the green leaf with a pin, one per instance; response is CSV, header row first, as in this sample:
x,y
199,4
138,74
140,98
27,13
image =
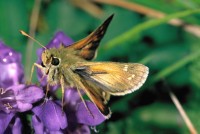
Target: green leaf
x,y
61,15
137,30
174,67
13,17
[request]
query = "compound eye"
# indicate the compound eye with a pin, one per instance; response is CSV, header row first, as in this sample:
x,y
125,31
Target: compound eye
x,y
55,61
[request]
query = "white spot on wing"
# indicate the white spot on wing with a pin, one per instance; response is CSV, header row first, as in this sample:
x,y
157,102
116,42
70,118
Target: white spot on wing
x,y
136,87
125,68
129,78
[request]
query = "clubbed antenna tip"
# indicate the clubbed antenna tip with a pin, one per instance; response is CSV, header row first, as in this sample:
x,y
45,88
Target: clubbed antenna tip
x,y
25,34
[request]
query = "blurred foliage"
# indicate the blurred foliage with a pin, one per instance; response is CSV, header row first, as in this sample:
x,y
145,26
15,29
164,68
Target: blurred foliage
x,y
171,53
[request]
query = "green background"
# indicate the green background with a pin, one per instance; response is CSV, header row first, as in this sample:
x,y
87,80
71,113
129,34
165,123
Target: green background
x,y
171,53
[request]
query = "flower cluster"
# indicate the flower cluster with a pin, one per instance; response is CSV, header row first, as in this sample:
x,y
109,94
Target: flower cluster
x,y
46,115
15,97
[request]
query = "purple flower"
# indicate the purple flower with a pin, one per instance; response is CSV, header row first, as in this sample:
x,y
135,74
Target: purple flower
x,y
75,118
15,127
79,118
5,120
11,68
49,117
19,98
14,96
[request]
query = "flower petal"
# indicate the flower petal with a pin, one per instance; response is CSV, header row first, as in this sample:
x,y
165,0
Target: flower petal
x,y
84,117
19,97
8,55
17,127
11,74
71,97
11,67
37,125
5,120
29,94
26,96
81,129
51,116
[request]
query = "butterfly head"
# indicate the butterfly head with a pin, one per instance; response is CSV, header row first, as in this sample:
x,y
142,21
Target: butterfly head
x,y
49,60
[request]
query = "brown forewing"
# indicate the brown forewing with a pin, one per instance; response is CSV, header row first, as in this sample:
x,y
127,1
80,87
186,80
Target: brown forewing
x,y
86,48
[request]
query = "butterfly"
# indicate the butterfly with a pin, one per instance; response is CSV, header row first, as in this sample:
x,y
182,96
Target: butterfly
x,y
71,66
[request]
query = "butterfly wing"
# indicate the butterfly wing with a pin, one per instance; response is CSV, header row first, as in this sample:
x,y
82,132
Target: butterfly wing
x,y
114,78
86,48
98,97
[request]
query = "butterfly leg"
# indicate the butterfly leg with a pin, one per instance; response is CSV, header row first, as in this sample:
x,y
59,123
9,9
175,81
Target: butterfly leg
x,y
47,90
87,108
41,79
79,85
46,93
32,70
62,83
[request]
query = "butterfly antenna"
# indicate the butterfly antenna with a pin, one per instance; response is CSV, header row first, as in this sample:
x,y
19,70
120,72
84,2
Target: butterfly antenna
x,y
25,34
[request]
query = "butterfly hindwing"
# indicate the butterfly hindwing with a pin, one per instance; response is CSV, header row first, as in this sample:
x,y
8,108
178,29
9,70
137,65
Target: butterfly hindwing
x,y
98,97
114,78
